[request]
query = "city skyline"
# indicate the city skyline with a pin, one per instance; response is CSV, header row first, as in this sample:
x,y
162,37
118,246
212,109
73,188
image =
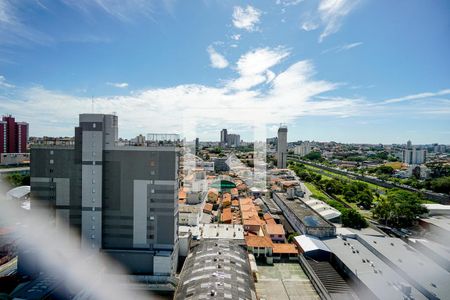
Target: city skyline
x,y
348,71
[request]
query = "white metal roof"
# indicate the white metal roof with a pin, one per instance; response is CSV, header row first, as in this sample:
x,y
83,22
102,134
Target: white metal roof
x,y
309,243
18,192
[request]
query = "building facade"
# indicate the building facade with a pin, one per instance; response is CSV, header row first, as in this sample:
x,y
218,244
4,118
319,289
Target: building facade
x,y
223,137
121,200
414,156
13,135
233,140
303,149
282,147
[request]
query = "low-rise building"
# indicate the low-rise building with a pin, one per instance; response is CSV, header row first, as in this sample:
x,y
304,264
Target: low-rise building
x,y
275,232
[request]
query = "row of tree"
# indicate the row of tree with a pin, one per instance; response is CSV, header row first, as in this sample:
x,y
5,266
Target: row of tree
x,y
398,208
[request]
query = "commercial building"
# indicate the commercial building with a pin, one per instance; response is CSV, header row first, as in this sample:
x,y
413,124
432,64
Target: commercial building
x,y
303,218
122,200
282,147
13,135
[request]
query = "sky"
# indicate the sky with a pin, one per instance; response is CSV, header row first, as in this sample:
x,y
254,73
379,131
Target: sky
x,y
363,71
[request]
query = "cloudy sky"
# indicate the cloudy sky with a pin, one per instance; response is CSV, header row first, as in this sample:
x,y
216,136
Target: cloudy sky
x,y
350,71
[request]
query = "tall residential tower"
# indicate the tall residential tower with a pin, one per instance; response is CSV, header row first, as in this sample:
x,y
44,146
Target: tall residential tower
x,y
282,147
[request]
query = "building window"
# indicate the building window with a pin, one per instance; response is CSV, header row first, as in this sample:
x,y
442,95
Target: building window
x,y
93,181
93,200
93,236
51,161
51,152
152,172
51,170
93,218
152,218
94,125
152,191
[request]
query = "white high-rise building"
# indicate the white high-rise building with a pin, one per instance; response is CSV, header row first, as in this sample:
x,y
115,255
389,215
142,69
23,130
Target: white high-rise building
x,y
303,149
282,147
414,156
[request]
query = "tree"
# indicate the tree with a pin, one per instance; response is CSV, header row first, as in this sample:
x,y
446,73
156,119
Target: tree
x,y
291,237
441,185
399,209
364,198
385,170
353,219
314,155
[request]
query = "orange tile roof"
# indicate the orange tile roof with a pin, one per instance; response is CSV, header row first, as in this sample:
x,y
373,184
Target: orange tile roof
x,y
226,215
252,221
258,241
182,194
235,203
226,198
208,207
214,191
270,221
284,249
275,229
267,216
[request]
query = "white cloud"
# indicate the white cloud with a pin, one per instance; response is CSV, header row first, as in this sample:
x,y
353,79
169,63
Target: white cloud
x,y
236,37
125,11
291,94
418,96
5,84
217,60
246,18
13,30
120,85
341,48
308,26
288,2
253,67
332,12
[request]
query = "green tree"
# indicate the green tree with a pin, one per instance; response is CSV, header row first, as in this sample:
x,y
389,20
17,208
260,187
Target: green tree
x,y
441,185
314,155
353,219
399,209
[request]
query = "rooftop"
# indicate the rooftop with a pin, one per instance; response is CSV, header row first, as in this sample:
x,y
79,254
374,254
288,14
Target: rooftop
x,y
411,263
216,269
375,274
284,248
306,214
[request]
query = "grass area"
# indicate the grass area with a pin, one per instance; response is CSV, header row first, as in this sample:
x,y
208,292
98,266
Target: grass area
x,y
330,175
316,193
394,164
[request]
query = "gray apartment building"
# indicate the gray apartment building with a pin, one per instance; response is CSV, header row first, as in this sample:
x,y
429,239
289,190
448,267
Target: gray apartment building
x,y
120,200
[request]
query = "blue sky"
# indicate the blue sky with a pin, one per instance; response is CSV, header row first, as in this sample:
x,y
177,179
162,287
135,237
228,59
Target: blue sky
x,y
350,71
